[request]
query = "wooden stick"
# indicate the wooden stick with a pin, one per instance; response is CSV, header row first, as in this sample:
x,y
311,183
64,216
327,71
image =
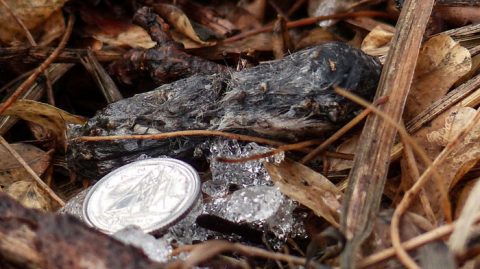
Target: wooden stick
x,y
368,175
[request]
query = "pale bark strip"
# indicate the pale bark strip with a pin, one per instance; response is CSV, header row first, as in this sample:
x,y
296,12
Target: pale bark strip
x,y
368,175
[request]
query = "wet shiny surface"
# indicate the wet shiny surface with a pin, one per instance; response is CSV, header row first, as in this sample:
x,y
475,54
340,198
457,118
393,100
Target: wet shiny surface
x,y
152,194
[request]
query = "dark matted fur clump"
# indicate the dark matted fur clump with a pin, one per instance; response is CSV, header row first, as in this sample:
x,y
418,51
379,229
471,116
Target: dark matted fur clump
x,y
289,99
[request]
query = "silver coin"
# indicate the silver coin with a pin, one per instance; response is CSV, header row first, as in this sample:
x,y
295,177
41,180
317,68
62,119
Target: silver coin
x,y
152,194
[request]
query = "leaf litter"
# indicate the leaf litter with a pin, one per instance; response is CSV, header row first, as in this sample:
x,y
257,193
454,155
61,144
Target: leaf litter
x,y
227,50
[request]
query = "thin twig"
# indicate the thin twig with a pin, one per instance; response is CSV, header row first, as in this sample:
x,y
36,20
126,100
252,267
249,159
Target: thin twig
x,y
211,248
396,242
31,40
34,175
413,243
401,253
27,33
413,191
310,21
418,150
68,55
415,174
178,134
310,156
31,79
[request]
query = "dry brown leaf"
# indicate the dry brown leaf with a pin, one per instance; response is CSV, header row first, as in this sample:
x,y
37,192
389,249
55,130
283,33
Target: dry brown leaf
x,y
47,116
241,18
53,28
177,18
186,41
348,147
29,195
33,13
115,32
473,71
441,62
132,36
307,187
377,42
11,170
257,43
454,123
432,150
455,166
256,8
314,37
466,154
379,37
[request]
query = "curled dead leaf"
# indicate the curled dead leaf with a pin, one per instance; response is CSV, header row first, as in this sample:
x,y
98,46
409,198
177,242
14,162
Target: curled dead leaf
x,y
377,42
177,18
53,28
454,123
49,117
255,7
307,187
442,61
314,37
113,31
348,146
32,13
11,170
29,195
132,36
379,37
461,160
